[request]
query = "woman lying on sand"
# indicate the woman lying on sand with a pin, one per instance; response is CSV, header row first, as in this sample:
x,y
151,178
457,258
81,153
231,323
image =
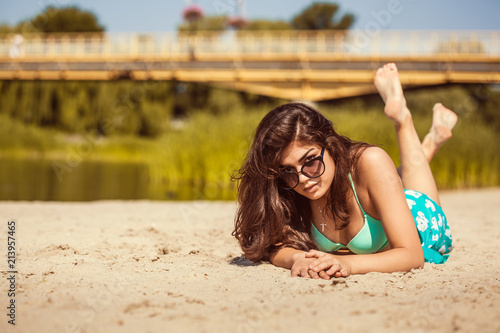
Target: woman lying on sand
x,y
317,203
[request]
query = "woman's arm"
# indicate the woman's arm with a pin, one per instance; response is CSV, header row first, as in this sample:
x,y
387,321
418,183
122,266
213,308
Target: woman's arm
x,y
385,191
296,261
285,257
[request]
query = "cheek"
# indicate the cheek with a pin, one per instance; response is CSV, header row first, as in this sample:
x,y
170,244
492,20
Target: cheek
x,y
329,173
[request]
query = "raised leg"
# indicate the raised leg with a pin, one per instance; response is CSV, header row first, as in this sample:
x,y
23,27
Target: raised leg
x,y
415,171
443,121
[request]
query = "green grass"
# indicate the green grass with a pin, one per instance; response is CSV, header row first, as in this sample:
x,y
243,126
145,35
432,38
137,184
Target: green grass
x,y
199,156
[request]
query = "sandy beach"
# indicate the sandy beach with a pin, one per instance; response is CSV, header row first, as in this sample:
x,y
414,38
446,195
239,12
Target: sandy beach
x,y
144,266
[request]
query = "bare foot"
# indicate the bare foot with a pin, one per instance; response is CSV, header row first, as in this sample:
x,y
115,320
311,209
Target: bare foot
x,y
389,87
443,117
443,121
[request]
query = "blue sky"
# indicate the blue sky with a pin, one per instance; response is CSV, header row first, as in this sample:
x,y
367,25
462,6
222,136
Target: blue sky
x,y
151,15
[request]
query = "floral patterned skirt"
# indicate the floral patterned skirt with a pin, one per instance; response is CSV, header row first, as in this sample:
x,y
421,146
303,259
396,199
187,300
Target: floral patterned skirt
x,y
432,226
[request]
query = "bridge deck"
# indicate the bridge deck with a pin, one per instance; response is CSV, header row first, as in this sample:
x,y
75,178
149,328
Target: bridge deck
x,y
308,65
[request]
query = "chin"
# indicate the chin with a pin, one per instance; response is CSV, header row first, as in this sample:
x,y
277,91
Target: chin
x,y
316,194
311,197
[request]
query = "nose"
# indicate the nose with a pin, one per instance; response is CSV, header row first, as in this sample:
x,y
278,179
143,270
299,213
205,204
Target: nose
x,y
302,177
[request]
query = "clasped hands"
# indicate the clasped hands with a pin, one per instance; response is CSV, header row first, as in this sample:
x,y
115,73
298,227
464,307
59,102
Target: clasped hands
x,y
316,264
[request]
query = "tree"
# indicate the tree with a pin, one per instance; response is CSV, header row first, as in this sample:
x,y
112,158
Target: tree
x,y
319,16
268,25
206,23
5,28
64,19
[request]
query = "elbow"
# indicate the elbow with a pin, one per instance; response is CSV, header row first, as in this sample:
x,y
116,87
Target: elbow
x,y
414,259
419,260
272,258
420,264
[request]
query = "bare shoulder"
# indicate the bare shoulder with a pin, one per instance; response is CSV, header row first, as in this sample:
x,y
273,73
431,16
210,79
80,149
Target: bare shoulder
x,y
373,157
375,166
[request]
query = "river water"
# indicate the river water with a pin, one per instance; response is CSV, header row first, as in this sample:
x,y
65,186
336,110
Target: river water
x,y
38,179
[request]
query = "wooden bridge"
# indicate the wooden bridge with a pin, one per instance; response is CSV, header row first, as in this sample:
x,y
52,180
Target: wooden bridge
x,y
307,65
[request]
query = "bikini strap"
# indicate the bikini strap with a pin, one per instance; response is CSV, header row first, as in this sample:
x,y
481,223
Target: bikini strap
x,y
355,194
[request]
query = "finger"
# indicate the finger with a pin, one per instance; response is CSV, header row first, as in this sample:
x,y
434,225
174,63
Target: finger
x,y
311,253
333,269
295,272
314,253
313,274
327,264
303,273
338,274
318,261
323,275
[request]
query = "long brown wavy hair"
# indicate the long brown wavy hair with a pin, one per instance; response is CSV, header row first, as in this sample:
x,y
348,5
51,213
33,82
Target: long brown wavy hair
x,y
270,217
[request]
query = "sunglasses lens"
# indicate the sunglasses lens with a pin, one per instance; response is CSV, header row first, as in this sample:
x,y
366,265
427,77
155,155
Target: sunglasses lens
x,y
314,168
290,179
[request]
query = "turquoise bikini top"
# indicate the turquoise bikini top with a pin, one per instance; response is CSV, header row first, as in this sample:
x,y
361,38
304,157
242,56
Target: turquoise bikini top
x,y
370,239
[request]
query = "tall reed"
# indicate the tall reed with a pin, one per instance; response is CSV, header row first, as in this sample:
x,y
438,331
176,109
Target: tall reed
x,y
196,159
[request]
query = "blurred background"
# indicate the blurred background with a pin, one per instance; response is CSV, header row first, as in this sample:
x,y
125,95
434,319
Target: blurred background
x,y
160,99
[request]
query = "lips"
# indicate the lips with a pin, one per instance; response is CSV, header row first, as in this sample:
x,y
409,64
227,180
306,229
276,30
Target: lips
x,y
310,188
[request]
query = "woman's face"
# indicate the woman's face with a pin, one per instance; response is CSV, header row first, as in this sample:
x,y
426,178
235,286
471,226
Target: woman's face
x,y
295,155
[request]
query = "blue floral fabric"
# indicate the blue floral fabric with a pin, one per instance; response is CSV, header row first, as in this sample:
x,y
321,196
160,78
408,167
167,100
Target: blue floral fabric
x,y
432,226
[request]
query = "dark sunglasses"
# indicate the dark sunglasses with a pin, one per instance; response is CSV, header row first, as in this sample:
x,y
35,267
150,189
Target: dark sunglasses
x,y
314,168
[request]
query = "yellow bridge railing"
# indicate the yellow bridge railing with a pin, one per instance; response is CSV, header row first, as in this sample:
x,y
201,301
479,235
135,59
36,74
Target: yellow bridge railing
x,y
311,65
351,43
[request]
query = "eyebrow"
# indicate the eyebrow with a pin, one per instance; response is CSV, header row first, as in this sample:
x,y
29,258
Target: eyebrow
x,y
305,155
